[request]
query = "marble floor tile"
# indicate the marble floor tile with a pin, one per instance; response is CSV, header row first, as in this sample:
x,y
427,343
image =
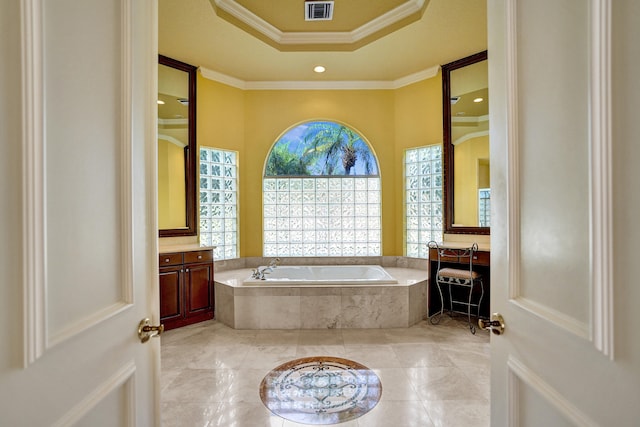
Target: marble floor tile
x,y
480,376
431,375
166,377
271,337
396,384
269,357
245,414
472,354
188,414
321,350
458,413
246,387
350,423
414,355
380,356
397,413
321,337
214,356
417,334
364,336
448,383
199,385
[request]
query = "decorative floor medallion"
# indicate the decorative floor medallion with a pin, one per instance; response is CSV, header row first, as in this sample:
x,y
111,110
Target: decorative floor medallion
x,y
320,390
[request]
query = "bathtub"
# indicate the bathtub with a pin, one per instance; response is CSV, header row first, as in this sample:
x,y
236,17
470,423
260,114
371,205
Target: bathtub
x,y
338,275
345,301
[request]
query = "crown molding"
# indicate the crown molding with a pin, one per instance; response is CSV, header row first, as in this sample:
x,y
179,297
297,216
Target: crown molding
x,y
469,136
470,119
320,85
173,122
172,140
429,73
278,36
222,78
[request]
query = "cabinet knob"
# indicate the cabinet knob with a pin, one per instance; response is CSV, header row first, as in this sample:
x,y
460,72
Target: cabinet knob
x,y
166,260
199,256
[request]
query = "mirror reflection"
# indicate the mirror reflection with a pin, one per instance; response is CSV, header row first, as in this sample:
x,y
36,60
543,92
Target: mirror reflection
x,y
466,151
176,146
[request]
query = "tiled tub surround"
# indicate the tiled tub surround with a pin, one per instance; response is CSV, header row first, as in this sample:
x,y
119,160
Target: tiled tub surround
x,y
320,306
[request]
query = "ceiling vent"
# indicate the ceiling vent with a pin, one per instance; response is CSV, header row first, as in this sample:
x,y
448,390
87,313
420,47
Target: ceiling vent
x,y
318,10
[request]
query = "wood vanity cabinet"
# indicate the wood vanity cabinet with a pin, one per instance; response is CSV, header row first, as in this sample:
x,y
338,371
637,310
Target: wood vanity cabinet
x,y
186,288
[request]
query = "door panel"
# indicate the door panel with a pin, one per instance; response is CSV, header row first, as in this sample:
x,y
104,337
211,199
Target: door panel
x,y
532,404
110,411
554,68
85,203
79,97
553,178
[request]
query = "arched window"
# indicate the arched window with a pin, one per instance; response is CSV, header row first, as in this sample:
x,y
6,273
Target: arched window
x,y
321,193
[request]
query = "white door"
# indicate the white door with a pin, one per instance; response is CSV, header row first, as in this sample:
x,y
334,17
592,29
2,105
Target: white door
x,y
77,230
564,233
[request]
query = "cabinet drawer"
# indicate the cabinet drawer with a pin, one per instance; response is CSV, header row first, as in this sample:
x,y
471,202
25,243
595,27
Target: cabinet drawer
x,y
198,256
170,259
482,258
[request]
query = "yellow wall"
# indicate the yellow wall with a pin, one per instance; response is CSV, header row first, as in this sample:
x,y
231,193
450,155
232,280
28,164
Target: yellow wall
x,y
170,185
220,116
418,123
250,121
467,157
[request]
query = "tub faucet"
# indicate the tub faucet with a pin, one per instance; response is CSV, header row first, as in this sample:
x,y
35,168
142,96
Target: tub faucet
x,y
274,262
258,273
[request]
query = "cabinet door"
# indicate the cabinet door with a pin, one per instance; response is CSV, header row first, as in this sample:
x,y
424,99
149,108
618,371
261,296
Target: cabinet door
x,y
171,292
199,282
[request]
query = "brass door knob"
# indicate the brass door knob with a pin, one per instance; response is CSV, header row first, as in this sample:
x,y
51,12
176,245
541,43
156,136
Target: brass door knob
x,y
496,324
146,331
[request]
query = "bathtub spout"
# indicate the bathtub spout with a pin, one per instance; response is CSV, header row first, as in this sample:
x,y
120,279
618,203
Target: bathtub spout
x,y
274,262
258,273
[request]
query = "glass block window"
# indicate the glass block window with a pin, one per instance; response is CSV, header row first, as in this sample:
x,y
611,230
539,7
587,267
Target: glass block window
x,y
219,201
484,207
423,198
321,194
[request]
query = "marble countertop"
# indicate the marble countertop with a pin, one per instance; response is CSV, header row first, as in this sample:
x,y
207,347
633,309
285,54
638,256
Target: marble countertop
x,y
166,249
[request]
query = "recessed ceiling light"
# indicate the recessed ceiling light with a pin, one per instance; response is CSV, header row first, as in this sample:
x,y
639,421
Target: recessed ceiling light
x,y
319,69
160,102
478,100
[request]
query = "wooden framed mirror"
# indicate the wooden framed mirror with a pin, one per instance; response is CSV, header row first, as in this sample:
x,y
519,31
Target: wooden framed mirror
x,y
467,188
176,148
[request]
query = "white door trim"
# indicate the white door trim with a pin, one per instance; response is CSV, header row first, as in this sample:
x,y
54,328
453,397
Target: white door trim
x,y
33,200
519,372
124,376
601,181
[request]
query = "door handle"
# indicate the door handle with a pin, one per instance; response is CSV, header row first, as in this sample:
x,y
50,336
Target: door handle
x,y
146,331
495,325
